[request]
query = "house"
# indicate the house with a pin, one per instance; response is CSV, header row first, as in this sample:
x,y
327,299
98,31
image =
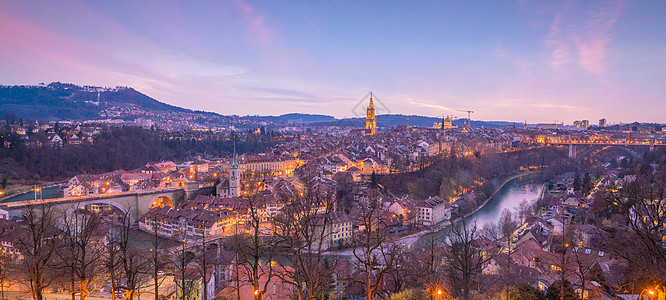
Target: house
x,y
277,287
166,166
55,140
496,263
193,279
342,276
199,166
222,189
337,229
588,234
355,173
187,223
74,140
402,207
340,230
134,178
432,211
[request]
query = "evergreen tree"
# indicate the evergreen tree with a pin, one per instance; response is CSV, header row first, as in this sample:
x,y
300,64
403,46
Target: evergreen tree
x,y
373,180
587,184
597,274
523,290
553,292
576,183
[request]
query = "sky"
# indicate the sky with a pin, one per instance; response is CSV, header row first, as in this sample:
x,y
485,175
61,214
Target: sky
x,y
534,61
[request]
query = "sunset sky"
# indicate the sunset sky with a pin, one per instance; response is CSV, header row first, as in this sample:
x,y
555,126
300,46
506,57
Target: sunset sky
x,y
539,61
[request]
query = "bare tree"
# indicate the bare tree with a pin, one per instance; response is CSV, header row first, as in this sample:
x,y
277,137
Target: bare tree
x,y
583,266
8,261
491,231
432,256
204,261
642,203
183,257
372,250
524,210
82,252
132,260
465,260
158,261
252,248
111,259
507,225
564,261
303,230
37,243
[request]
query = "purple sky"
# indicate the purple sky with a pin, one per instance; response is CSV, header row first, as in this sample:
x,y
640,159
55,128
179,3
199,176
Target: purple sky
x,y
539,61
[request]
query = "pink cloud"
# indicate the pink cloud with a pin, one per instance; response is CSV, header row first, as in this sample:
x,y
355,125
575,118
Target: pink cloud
x,y
592,45
587,34
561,49
31,44
255,21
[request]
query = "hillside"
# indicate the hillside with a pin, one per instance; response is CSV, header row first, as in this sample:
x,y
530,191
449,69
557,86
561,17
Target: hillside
x,y
61,101
299,118
411,120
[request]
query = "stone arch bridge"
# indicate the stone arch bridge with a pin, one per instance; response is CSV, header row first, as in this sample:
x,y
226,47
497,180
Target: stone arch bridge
x,y
581,149
136,203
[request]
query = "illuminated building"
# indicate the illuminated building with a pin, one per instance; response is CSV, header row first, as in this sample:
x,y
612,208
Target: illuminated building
x,y
371,121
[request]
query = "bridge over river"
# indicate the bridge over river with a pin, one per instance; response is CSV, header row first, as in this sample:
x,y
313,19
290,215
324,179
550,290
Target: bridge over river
x,y
582,148
136,203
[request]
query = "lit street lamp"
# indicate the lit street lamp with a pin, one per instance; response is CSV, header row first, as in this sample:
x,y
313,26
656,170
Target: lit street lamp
x,y
649,291
37,190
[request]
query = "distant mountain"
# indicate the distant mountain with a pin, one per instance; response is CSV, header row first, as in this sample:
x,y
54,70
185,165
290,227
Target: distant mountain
x,y
299,118
62,101
411,120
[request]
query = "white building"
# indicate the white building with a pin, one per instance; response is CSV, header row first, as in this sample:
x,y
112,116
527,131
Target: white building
x,y
432,211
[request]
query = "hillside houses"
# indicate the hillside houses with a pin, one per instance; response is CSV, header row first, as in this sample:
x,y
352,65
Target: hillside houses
x,y
185,223
150,176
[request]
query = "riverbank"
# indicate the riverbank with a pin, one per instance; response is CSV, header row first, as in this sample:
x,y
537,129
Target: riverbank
x,y
413,238
485,202
499,188
22,193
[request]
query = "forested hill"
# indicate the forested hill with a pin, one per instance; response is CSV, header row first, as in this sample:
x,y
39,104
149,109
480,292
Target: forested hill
x,y
61,101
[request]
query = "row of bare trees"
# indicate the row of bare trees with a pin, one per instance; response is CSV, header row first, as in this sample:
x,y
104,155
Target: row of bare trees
x,y
76,252
294,252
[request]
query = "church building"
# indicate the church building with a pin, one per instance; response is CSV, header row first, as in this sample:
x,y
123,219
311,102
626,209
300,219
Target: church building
x,y
230,186
371,121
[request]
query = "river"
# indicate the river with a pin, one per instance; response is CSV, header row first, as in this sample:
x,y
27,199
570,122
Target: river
x,y
510,196
44,193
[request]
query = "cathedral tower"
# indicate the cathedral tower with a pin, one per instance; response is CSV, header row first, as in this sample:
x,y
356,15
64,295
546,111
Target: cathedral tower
x,y
370,120
234,176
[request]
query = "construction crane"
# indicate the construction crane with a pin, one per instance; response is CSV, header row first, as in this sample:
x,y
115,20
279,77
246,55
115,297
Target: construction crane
x,y
469,115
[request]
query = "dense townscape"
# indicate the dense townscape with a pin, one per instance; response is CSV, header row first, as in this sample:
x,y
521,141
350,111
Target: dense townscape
x,y
320,150
363,215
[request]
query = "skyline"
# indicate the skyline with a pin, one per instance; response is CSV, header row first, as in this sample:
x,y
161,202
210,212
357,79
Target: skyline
x,y
517,61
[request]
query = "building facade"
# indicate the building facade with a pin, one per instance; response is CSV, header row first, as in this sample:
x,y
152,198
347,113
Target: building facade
x,y
432,211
